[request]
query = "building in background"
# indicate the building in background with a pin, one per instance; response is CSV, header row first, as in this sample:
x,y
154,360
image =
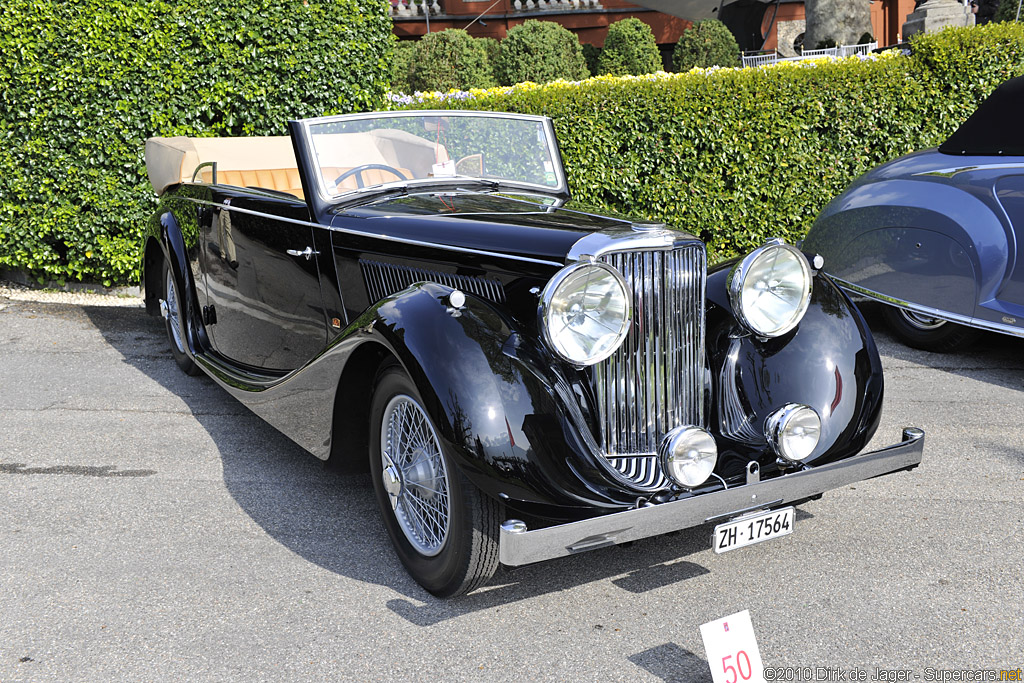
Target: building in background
x,y
589,19
757,25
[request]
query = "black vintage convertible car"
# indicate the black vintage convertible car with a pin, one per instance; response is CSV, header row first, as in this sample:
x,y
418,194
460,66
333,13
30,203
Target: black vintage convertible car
x,y
414,293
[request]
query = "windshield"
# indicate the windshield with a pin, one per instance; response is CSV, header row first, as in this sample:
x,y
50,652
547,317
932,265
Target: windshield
x,y
370,150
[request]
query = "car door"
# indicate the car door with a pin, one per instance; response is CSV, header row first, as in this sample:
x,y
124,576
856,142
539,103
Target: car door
x,y
263,286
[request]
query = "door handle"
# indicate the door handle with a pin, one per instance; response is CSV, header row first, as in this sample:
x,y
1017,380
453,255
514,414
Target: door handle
x,y
308,252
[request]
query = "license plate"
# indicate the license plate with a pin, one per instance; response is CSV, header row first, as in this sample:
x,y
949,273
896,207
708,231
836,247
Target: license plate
x,y
754,529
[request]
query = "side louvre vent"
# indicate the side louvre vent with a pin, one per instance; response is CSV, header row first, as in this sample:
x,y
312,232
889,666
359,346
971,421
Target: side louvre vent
x,y
384,279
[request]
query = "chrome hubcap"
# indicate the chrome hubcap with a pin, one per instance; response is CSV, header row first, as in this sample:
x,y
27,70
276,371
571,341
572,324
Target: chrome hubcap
x,y
922,322
169,310
392,478
414,475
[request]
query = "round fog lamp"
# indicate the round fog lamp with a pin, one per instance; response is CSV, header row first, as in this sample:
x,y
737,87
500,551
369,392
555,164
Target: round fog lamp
x,y
688,456
793,431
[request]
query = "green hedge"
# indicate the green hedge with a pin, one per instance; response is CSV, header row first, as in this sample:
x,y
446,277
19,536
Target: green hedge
x,y
449,59
540,51
629,48
84,83
740,155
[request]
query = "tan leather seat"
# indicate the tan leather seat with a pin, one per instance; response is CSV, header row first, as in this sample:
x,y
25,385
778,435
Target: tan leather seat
x,y
287,179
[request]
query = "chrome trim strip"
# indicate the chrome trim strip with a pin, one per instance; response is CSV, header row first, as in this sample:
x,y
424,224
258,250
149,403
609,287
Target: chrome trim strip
x,y
634,237
387,238
951,172
527,547
927,310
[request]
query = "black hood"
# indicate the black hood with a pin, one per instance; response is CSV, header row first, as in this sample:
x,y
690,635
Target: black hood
x,y
528,226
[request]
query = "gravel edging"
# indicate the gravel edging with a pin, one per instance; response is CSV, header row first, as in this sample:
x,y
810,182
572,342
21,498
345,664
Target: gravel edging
x,y
85,296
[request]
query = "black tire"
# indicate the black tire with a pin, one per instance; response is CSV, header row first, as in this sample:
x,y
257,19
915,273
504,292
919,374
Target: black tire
x,y
930,334
174,322
446,562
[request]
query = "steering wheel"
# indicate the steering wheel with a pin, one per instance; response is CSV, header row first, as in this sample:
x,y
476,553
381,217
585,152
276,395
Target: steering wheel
x,y
367,167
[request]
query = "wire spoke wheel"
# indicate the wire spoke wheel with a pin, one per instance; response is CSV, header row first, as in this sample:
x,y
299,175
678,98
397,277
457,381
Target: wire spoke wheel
x,y
415,476
171,313
444,530
172,308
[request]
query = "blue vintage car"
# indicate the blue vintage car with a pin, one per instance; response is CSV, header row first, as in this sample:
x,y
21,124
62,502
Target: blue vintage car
x,y
935,234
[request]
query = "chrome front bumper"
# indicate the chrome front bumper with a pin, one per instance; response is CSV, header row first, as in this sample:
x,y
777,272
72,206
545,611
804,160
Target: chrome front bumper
x,y
518,546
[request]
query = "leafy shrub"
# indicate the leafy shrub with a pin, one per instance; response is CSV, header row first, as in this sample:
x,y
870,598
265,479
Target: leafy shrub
x,y
1008,11
493,48
629,48
84,83
737,156
591,53
450,59
541,52
706,43
402,61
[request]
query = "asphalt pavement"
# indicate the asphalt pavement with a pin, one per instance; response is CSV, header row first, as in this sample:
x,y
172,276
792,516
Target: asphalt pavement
x,y
152,529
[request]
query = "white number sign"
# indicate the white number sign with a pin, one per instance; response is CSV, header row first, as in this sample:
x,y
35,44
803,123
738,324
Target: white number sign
x,y
732,651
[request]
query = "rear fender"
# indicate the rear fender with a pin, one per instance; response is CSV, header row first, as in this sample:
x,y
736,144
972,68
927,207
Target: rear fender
x,y
925,242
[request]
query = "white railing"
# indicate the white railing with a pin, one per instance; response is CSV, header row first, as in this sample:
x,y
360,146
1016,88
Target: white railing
x,y
862,49
825,52
418,8
415,8
763,59
760,59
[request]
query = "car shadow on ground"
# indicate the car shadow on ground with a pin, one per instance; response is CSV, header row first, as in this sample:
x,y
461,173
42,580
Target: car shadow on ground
x,y
993,358
330,519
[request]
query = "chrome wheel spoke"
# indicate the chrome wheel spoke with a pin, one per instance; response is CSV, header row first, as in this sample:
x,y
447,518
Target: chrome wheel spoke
x,y
421,504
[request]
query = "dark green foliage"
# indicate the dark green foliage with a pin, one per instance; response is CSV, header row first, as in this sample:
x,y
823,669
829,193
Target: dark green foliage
x,y
493,48
401,65
739,156
84,83
591,53
629,49
825,44
540,51
706,43
450,59
865,38
1008,11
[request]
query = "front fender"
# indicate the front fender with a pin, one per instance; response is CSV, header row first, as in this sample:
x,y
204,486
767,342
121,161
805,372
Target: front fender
x,y
492,402
828,362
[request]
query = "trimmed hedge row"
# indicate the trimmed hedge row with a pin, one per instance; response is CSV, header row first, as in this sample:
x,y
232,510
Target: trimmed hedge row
x,y
84,83
737,156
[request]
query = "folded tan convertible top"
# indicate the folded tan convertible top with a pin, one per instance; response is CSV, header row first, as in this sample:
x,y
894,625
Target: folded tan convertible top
x,y
170,161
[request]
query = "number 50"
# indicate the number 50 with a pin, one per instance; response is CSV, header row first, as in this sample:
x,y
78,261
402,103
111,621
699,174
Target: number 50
x,y
741,659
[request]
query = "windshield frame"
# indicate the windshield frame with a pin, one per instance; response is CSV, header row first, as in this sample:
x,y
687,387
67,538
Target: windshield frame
x,y
317,181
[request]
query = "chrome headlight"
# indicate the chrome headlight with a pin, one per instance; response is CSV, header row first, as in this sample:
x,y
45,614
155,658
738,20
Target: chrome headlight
x,y
585,312
793,431
770,289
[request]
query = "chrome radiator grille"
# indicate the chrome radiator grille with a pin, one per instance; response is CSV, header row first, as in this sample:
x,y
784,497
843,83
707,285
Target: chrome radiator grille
x,y
655,381
384,279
